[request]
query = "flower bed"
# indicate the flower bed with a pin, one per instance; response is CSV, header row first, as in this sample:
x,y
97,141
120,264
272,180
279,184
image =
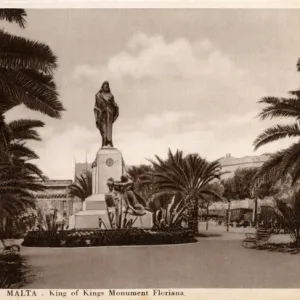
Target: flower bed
x,y
111,237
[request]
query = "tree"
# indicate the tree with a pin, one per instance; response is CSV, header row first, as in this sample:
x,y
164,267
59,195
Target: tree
x,y
288,212
26,77
19,177
26,71
286,161
240,186
141,175
218,188
190,176
82,187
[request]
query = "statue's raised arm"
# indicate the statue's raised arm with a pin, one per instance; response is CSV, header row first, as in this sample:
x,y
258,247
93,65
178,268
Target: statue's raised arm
x,y
106,112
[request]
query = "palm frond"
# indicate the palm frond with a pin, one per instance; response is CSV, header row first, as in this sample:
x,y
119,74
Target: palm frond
x,y
276,133
20,150
20,53
14,16
270,170
23,129
82,187
280,107
20,89
290,159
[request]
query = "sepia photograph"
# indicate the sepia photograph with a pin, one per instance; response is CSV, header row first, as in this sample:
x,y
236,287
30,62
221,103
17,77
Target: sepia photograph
x,y
149,149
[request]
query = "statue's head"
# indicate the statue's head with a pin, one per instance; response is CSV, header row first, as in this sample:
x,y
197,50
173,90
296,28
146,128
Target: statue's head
x,y
105,87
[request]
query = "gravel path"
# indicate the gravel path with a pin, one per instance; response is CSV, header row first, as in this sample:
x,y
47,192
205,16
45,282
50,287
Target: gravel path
x,y
210,263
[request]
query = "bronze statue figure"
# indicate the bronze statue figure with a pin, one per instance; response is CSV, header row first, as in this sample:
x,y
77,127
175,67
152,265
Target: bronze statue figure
x,y
106,112
121,200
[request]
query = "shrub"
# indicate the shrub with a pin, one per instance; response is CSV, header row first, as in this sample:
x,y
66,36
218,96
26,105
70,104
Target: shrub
x,y
12,271
288,214
110,237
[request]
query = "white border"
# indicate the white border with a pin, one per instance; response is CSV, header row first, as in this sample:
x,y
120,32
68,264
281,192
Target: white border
x,y
203,294
151,4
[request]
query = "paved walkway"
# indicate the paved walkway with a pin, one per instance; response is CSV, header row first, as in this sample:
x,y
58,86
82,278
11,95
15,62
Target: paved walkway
x,y
210,263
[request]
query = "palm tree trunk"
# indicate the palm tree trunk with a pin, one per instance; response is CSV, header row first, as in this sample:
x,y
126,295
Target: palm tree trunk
x,y
192,222
207,212
255,211
193,216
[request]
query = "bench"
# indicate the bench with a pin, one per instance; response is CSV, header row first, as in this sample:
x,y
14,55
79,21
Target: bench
x,y
259,238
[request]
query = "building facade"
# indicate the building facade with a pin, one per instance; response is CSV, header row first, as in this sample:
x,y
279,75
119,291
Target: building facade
x,y
231,164
56,196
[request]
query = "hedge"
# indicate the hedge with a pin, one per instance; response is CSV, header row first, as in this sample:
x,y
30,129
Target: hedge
x,y
109,237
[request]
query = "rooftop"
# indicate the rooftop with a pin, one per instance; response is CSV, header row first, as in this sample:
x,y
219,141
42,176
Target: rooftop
x,y
228,160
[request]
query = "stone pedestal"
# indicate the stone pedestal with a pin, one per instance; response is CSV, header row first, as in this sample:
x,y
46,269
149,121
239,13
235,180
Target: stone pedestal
x,y
109,164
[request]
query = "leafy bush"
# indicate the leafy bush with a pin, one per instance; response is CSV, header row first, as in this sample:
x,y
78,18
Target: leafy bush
x,y
110,237
288,213
172,216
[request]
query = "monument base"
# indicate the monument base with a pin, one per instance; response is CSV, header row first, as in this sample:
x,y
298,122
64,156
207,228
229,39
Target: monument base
x,y
89,219
109,164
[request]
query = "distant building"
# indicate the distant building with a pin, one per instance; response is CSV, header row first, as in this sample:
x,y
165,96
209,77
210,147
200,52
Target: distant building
x,y
231,164
81,168
56,196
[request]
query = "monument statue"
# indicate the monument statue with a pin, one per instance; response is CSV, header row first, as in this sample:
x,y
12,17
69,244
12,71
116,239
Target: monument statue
x,y
121,199
115,200
106,112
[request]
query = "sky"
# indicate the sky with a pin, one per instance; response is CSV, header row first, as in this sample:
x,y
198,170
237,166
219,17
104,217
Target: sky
x,y
187,79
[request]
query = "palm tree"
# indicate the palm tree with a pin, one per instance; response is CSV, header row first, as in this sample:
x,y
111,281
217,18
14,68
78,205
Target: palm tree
x,y
26,71
141,175
82,187
188,175
286,161
288,213
19,178
26,77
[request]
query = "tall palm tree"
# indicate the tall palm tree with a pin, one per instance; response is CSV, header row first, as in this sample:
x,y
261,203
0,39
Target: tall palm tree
x,y
26,77
286,161
188,175
82,187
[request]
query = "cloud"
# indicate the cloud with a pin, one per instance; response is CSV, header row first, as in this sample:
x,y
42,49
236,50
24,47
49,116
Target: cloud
x,y
176,94
166,120
61,148
152,57
153,74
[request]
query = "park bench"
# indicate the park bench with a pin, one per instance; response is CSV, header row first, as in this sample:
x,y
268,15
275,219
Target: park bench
x,y
259,238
